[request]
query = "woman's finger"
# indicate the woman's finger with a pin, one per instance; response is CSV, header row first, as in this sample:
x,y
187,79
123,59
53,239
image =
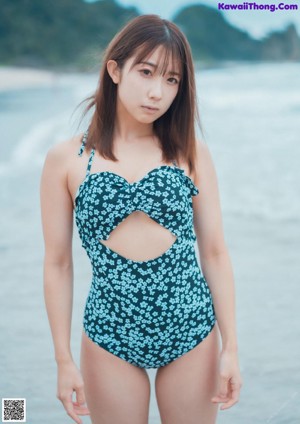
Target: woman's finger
x,y
81,409
219,399
68,405
222,394
235,387
223,388
234,399
80,398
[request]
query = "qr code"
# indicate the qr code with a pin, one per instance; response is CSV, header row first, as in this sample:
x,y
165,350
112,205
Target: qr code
x,y
13,410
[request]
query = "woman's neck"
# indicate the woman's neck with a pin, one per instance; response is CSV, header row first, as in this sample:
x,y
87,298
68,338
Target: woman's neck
x,y
128,129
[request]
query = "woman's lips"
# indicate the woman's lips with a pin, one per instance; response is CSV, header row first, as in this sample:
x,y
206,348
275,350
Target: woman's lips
x,y
150,108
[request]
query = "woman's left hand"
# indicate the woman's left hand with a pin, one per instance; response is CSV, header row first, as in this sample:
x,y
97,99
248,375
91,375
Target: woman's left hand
x,y
229,380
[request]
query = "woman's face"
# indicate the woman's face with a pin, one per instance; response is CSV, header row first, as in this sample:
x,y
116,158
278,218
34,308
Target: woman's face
x,y
143,91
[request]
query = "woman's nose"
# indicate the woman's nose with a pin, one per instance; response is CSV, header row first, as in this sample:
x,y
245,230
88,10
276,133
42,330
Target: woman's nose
x,y
155,90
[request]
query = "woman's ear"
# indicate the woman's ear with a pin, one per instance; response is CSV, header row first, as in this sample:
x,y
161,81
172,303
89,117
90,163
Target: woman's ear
x,y
113,70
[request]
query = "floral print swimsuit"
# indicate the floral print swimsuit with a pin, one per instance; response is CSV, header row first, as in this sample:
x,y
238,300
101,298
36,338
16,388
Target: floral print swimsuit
x,y
149,312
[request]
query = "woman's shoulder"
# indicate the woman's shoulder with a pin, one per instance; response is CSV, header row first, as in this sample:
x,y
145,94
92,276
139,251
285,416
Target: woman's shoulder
x,y
204,163
65,149
201,147
61,155
201,155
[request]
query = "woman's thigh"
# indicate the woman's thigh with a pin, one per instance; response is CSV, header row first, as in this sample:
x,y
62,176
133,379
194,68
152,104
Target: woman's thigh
x,y
185,386
116,391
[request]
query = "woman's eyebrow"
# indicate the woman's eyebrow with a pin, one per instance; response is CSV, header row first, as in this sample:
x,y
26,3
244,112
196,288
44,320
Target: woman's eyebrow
x,y
155,67
147,63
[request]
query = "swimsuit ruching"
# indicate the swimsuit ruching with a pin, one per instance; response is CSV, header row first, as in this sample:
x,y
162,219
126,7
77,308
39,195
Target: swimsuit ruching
x,y
150,312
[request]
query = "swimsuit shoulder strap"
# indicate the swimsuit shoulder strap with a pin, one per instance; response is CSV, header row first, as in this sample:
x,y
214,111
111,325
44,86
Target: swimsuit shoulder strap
x,y
84,138
82,147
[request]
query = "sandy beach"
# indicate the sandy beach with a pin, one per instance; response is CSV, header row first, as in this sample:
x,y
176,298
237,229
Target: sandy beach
x,y
14,78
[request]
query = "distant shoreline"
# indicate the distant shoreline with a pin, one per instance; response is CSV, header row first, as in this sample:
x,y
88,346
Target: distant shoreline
x,y
15,78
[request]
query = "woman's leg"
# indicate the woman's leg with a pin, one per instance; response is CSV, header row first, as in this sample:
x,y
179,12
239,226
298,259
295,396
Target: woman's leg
x,y
116,391
185,386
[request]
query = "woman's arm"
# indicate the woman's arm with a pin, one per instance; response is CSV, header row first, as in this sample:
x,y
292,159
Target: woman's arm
x,y
214,256
216,265
57,221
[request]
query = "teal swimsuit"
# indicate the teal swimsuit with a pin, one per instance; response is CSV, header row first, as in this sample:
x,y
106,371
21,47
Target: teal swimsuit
x,y
150,312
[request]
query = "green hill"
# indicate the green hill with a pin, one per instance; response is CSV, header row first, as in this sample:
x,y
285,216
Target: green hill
x,y
73,33
213,38
53,33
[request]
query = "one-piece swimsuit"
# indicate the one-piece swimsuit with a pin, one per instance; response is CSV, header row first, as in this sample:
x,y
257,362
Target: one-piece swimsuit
x,y
149,312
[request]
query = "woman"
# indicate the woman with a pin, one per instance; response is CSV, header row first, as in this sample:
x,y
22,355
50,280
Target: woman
x,y
143,190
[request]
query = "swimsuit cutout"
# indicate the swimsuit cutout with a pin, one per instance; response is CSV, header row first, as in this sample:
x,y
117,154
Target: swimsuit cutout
x,y
150,312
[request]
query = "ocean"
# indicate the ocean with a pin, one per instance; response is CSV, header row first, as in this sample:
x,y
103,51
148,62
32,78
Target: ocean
x,y
250,115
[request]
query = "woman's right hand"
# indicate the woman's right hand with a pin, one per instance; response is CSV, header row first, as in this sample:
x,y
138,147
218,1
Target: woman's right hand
x,y
69,379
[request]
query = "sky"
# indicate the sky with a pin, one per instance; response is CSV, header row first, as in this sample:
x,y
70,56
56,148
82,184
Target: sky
x,y
256,23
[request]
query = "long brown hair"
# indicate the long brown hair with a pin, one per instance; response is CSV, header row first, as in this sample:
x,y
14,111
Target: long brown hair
x,y
176,128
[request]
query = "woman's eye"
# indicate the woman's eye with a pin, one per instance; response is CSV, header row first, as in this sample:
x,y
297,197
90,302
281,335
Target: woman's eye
x,y
144,71
173,80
